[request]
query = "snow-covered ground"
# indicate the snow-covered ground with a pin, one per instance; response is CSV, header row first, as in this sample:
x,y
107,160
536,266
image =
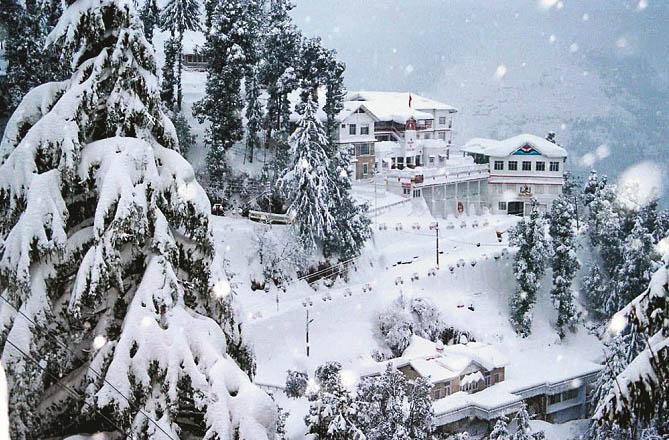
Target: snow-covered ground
x,y
344,327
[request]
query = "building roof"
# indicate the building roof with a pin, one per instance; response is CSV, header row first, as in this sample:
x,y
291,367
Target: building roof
x,y
394,106
507,147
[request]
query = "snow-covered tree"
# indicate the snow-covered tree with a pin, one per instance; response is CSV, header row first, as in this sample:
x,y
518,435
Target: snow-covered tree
x,y
107,254
296,383
500,431
641,391
29,62
523,429
564,262
332,410
177,17
593,184
185,136
638,262
227,50
421,413
150,15
528,267
382,406
307,183
254,114
596,289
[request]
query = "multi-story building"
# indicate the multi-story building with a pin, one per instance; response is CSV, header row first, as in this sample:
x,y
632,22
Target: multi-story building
x,y
356,132
522,168
434,119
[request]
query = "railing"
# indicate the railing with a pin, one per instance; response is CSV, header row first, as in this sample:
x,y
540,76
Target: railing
x,y
269,217
270,387
380,209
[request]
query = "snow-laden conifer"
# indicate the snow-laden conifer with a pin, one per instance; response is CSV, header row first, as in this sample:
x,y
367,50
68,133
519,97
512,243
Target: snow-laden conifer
x,y
529,267
107,254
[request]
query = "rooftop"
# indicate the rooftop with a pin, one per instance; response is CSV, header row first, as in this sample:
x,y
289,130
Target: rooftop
x,y
506,147
394,106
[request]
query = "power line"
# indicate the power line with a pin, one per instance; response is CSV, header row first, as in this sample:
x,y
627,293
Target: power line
x,y
72,391
89,368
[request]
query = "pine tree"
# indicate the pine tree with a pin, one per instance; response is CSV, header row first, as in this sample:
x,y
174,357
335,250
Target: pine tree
x,y
150,15
185,136
421,413
332,410
528,267
168,82
641,391
227,49
594,184
523,429
277,75
383,400
564,262
29,62
596,289
107,253
500,431
635,269
307,182
177,17
254,114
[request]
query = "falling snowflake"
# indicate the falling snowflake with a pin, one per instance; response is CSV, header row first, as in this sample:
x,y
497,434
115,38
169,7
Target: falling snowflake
x,y
501,71
603,151
586,17
552,39
621,43
573,48
643,4
408,69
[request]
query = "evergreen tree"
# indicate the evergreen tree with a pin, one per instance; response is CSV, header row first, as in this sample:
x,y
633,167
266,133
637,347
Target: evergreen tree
x,y
254,114
177,17
564,262
334,99
277,75
523,429
528,267
107,254
168,82
594,184
382,401
332,410
641,392
29,61
421,413
307,182
596,289
184,134
607,226
500,431
635,269
150,15
227,49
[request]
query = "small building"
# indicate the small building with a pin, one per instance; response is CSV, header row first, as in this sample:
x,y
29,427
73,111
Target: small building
x,y
522,168
474,385
356,132
192,55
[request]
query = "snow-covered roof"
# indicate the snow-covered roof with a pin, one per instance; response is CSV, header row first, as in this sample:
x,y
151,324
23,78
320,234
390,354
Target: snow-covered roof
x,y
350,107
506,147
394,106
193,41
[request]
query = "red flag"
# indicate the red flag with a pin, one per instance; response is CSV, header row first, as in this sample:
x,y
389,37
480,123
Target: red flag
x,y
409,100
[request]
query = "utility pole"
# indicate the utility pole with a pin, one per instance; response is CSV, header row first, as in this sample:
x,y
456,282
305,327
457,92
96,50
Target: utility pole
x,y
435,226
578,227
309,321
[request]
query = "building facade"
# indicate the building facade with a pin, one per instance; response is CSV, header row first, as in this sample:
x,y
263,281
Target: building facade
x,y
522,168
356,132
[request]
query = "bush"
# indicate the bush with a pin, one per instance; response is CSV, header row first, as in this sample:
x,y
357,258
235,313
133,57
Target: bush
x,y
296,383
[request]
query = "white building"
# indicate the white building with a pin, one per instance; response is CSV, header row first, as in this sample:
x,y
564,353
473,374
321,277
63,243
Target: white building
x,y
434,119
522,168
356,132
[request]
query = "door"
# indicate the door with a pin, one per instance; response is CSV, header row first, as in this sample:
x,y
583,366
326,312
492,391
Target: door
x,y
516,208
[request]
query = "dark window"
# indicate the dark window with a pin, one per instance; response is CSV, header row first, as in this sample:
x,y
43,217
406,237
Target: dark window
x,y
541,166
513,165
499,165
502,207
351,129
343,125
527,165
365,169
555,166
364,149
364,129
570,395
442,120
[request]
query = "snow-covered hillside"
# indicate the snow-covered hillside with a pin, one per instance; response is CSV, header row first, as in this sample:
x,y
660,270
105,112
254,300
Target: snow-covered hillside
x,y
472,297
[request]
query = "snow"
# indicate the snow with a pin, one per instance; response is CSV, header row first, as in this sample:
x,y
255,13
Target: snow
x,y
4,401
563,431
506,147
394,106
344,327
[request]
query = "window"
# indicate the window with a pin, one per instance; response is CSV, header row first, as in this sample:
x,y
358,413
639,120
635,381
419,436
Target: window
x,y
431,159
513,165
487,379
442,120
351,129
364,129
343,125
442,135
555,166
364,149
553,399
496,377
499,165
406,191
540,166
428,135
502,207
416,193
527,165
365,169
570,395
